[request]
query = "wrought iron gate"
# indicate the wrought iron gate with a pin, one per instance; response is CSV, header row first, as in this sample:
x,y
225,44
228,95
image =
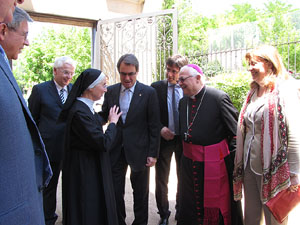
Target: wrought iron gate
x,y
151,37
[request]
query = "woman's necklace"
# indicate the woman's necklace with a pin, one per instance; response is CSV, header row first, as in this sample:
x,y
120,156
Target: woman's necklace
x,y
186,134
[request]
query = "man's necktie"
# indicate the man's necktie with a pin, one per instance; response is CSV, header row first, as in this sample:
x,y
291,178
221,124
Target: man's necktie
x,y
125,102
175,109
62,96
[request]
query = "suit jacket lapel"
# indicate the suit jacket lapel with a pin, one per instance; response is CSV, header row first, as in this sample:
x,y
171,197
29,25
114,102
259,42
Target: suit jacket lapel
x,y
69,87
114,98
164,100
165,94
116,95
53,91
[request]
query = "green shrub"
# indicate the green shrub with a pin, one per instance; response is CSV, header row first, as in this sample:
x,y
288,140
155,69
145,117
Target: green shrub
x,y
236,85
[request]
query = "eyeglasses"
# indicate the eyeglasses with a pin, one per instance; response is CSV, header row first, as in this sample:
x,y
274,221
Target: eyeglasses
x,y
129,74
66,72
182,79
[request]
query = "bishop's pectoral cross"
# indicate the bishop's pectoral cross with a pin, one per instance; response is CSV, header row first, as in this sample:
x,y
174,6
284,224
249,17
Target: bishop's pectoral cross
x,y
186,134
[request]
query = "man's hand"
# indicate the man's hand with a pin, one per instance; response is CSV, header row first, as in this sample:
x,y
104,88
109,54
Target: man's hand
x,y
151,161
166,133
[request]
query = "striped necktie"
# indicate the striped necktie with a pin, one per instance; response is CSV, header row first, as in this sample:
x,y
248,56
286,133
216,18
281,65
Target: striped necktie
x,y
62,96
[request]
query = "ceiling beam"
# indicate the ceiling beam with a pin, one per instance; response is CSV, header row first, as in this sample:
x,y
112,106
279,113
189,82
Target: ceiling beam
x,y
49,18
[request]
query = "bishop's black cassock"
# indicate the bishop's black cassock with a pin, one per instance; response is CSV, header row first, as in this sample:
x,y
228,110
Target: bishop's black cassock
x,y
208,128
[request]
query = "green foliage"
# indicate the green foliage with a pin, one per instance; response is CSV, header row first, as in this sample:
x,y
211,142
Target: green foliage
x,y
277,26
212,68
35,63
274,22
241,13
192,27
236,85
168,4
209,68
244,26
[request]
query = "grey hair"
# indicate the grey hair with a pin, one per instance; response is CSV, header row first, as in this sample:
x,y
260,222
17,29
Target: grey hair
x,y
19,16
193,72
60,61
129,59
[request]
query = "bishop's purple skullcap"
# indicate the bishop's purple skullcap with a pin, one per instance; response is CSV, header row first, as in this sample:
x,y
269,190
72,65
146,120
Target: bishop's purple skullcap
x,y
195,67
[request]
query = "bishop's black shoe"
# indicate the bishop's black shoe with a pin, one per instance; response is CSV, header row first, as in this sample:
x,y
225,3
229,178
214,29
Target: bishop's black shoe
x,y
176,215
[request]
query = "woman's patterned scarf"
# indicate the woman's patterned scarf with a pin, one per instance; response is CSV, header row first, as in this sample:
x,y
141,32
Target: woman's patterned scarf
x,y
276,176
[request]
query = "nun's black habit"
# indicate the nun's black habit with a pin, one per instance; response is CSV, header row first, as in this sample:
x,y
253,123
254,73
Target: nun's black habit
x,y
87,188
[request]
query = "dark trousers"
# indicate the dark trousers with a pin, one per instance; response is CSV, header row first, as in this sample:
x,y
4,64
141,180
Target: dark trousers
x,y
140,185
162,171
49,195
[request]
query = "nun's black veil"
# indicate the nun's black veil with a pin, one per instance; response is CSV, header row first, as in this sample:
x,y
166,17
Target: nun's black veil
x,y
85,79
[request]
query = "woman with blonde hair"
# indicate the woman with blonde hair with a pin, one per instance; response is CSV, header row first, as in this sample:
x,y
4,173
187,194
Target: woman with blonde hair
x,y
267,155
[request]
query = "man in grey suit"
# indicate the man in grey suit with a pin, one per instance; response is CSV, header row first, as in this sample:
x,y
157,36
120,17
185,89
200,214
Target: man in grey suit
x,y
24,165
137,140
45,103
16,34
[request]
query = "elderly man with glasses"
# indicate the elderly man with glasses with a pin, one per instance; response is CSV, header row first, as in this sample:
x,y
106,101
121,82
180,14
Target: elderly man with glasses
x,y
45,103
24,166
208,123
16,34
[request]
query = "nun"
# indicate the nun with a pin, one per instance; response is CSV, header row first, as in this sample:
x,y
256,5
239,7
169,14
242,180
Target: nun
x,y
87,188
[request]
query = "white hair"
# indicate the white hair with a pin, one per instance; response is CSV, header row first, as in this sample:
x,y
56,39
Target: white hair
x,y
19,16
60,61
192,72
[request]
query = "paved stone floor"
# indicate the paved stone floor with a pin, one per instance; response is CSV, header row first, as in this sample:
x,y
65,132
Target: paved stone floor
x,y
153,216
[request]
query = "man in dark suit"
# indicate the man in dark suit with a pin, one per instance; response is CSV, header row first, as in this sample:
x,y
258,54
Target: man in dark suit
x,y
24,165
137,140
45,103
169,93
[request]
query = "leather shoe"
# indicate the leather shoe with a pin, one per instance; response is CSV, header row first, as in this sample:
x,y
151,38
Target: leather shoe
x,y
163,221
176,216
